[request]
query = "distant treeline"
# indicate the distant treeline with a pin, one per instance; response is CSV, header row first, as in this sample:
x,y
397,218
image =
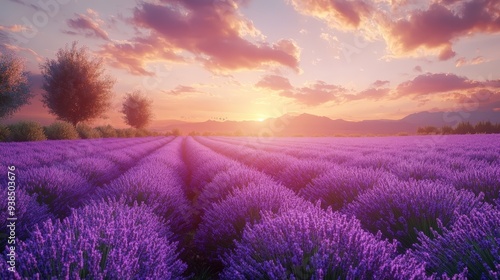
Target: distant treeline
x,y
462,128
59,130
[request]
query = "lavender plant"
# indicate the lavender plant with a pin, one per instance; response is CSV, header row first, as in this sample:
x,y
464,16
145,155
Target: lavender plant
x,y
100,241
402,209
223,222
308,244
472,244
341,185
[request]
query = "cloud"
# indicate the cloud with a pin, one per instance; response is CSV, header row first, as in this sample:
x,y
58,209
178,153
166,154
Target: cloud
x,y
438,26
180,89
417,68
426,84
379,83
134,55
274,82
88,25
313,94
474,61
409,28
212,32
341,14
368,94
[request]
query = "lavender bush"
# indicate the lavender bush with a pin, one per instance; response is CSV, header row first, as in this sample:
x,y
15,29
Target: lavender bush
x,y
224,222
402,209
472,244
58,188
308,244
341,185
27,211
100,241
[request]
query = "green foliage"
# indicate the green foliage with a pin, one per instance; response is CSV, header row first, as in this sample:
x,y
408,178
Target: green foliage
x,y
61,130
4,133
26,131
87,132
76,88
14,88
107,131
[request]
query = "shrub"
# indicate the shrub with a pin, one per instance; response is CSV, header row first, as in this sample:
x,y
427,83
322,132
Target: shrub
x,y
100,241
58,188
485,179
28,213
87,132
160,188
96,170
299,173
226,182
107,131
4,133
471,244
342,185
61,130
400,209
224,222
308,244
26,131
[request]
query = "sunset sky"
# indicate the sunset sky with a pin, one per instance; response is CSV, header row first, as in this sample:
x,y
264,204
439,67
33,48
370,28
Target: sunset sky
x,y
253,59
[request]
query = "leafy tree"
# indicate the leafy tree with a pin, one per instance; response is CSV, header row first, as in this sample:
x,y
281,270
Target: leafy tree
x,y
76,88
464,128
484,127
14,88
137,109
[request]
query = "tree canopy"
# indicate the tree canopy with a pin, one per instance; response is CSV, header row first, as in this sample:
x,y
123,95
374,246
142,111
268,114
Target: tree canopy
x,y
137,109
14,87
76,87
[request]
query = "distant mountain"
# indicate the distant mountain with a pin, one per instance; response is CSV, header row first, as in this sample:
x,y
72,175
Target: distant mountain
x,y
311,125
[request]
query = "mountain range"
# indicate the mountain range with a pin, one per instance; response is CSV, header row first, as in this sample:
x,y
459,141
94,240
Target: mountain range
x,y
311,125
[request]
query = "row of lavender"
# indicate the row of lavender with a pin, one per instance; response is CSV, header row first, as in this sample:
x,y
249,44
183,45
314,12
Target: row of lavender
x,y
102,214
242,210
423,213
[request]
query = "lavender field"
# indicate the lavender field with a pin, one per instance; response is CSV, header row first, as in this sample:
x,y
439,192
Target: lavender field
x,y
416,207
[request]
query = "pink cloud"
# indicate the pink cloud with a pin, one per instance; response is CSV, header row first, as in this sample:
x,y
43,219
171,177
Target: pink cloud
x,y
368,94
313,94
435,83
274,82
213,32
338,13
180,89
379,83
436,27
133,56
87,25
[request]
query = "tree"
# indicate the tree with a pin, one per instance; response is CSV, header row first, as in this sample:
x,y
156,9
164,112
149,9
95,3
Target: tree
x,y
76,88
14,87
137,109
464,128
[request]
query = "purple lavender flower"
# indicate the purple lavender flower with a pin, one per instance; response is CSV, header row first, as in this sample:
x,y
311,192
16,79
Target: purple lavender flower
x,y
27,211
485,179
400,209
308,244
341,185
224,183
58,188
100,241
472,244
224,222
